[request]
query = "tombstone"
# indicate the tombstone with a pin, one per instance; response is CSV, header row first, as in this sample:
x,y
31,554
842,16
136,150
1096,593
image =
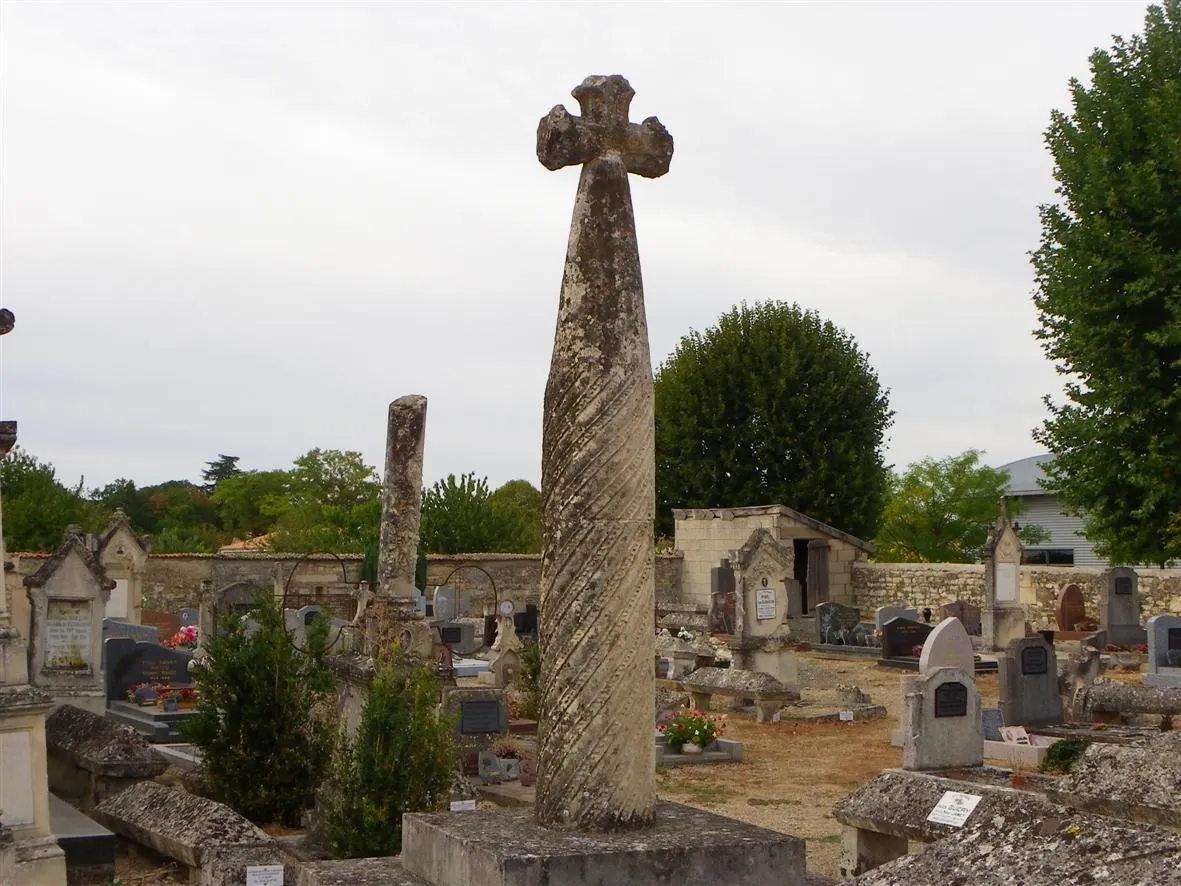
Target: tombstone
x,y
1071,609
1119,607
763,567
884,613
1003,618
723,597
480,715
901,635
68,596
991,722
113,628
189,617
130,662
1164,651
942,726
124,558
967,613
1029,684
835,623
948,646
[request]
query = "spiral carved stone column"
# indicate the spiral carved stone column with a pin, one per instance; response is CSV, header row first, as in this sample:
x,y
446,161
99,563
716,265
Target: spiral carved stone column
x,y
596,753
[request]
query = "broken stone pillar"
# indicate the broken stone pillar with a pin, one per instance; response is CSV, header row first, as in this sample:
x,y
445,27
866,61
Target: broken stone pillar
x,y
596,754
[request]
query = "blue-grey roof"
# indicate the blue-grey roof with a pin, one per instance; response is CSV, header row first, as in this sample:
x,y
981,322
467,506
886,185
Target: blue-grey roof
x,y
1025,474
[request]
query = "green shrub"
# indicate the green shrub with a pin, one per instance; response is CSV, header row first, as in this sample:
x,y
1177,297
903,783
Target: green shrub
x,y
402,759
264,748
528,681
1062,755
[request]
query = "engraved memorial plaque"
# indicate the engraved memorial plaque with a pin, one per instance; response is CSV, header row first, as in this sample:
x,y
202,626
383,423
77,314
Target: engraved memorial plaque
x,y
1034,660
67,635
478,717
764,604
1123,586
1174,638
951,700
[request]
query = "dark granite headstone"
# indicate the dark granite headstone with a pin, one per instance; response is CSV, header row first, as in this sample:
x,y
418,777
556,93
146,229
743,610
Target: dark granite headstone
x,y
835,623
991,722
951,700
901,635
129,662
479,717
723,598
1123,586
1034,660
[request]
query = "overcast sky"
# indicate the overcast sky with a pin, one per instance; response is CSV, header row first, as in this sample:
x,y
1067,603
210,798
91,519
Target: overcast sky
x,y
244,228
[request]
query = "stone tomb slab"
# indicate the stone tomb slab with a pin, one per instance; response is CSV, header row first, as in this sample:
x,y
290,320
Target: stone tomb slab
x,y
683,845
357,872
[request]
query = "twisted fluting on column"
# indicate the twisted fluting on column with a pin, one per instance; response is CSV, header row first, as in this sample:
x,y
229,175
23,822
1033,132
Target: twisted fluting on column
x,y
596,753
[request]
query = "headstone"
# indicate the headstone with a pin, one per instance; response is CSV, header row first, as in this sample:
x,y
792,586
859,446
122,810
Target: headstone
x,y
130,662
835,623
1164,651
942,724
1119,607
596,756
901,635
723,598
948,646
1003,617
1029,684
1071,609
884,613
991,722
967,613
189,617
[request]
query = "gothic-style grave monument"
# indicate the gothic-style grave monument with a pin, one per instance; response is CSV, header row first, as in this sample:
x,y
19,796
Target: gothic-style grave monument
x,y
596,817
123,555
1029,684
1164,651
1003,619
67,598
762,639
1119,607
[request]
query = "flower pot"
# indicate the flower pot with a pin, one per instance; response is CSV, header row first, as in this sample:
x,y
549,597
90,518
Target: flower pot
x,y
690,748
169,704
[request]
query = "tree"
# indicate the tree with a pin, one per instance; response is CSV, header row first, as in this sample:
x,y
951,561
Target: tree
x,y
334,504
221,468
939,511
264,746
124,495
251,502
37,508
1108,276
464,516
772,406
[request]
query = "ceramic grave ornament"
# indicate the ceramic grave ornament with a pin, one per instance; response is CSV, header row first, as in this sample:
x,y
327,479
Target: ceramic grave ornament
x,y
596,755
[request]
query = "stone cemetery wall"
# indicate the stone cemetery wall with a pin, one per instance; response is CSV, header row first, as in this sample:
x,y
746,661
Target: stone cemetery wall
x,y
931,584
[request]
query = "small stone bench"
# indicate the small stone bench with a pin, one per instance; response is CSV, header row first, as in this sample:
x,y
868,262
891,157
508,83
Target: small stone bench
x,y
768,694
90,757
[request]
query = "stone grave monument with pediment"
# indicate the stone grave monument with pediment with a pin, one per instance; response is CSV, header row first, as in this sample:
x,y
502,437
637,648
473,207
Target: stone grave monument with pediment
x,y
1119,608
67,598
596,818
762,642
123,556
1003,618
1029,684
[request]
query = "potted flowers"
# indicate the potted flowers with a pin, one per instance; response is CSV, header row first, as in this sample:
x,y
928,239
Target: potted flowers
x,y
691,731
185,638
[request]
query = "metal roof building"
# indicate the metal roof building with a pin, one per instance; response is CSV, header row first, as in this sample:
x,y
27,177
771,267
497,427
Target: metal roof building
x,y
1067,545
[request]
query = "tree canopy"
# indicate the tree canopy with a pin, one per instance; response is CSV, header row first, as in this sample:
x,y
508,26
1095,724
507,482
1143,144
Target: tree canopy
x,y
37,507
1109,295
939,511
464,515
773,405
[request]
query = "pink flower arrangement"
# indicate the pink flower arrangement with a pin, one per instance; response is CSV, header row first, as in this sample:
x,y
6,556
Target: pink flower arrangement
x,y
185,638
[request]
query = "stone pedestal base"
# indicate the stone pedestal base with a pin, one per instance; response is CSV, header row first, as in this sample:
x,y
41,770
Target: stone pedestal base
x,y
685,845
39,862
1002,625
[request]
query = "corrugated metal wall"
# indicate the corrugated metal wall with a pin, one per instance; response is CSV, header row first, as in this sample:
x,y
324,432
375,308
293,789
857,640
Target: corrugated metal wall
x,y
1065,532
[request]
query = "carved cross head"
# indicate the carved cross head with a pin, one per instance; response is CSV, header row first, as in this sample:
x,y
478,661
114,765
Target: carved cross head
x,y
565,140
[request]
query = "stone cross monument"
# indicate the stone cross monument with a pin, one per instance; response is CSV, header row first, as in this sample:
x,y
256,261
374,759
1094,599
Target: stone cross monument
x,y
596,752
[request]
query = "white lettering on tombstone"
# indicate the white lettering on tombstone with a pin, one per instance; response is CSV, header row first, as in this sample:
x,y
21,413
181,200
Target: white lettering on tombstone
x,y
764,604
16,787
117,605
953,808
67,634
1006,582
264,875
463,805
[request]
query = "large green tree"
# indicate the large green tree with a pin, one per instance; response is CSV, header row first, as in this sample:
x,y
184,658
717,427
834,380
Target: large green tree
x,y
773,405
1109,295
334,504
462,515
939,510
251,502
37,507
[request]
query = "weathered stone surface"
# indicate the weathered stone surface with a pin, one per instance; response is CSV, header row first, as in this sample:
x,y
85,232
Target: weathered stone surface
x,y
734,681
357,872
226,865
401,498
1111,697
180,825
99,745
1062,849
948,646
683,845
1142,783
598,475
942,725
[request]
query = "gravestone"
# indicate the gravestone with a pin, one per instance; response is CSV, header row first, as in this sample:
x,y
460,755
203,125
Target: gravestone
x,y
130,662
901,635
1071,609
884,613
948,646
1003,618
126,630
189,617
1164,651
1119,607
835,623
763,566
967,613
1029,684
942,726
723,599
480,716
991,722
